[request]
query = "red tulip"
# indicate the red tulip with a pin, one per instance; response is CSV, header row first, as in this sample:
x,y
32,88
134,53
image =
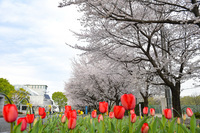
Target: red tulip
x,y
30,118
24,123
10,112
189,112
43,116
111,114
103,107
41,111
100,117
145,110
119,112
68,108
63,119
145,128
168,113
152,111
128,101
71,123
132,111
94,114
133,118
71,114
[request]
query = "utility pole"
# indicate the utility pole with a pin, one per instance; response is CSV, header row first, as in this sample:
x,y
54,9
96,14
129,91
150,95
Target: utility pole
x,y
164,46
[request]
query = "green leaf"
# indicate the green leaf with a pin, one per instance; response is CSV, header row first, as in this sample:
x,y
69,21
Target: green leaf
x,y
92,127
184,128
113,128
125,129
160,124
24,131
164,120
172,125
35,128
17,128
140,125
197,130
154,125
193,124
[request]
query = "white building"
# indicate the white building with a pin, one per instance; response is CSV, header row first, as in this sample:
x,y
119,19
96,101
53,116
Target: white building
x,y
38,96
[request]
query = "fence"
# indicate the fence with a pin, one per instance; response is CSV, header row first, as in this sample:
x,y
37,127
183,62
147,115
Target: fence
x,y
158,108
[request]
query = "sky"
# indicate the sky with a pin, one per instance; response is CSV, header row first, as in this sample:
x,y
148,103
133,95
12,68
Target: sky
x,y
33,34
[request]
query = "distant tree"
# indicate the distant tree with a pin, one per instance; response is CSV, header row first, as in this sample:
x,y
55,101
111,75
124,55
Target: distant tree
x,y
17,96
60,99
154,101
190,100
5,86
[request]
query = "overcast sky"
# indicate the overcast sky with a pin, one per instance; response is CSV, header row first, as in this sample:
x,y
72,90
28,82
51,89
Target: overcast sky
x,y
33,34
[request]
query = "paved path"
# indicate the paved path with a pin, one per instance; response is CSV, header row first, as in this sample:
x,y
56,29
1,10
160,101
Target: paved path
x,y
4,126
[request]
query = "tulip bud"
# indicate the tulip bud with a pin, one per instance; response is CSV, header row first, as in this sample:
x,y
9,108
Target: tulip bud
x,y
94,114
72,123
103,107
24,123
119,112
68,108
145,128
184,117
43,116
133,118
168,113
41,111
178,120
189,112
10,112
30,118
63,119
128,101
145,110
100,118
132,111
111,115
152,112
71,114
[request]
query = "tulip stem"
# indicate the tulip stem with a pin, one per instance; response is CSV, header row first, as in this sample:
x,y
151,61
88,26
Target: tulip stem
x,y
120,126
129,122
29,127
117,124
6,97
103,123
11,127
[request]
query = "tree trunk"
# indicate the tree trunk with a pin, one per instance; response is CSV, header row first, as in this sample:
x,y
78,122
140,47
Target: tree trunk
x,y
117,101
59,108
146,102
176,100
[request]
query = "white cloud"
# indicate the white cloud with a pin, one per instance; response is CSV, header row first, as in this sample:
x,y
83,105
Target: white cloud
x,y
33,36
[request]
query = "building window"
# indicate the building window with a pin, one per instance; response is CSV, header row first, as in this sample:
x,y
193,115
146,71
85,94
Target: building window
x,y
24,107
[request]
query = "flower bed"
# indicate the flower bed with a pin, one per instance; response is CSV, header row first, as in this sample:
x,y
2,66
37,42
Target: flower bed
x,y
114,122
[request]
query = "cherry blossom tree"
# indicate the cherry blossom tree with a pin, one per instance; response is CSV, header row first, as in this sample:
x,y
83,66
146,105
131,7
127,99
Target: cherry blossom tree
x,y
164,34
92,82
